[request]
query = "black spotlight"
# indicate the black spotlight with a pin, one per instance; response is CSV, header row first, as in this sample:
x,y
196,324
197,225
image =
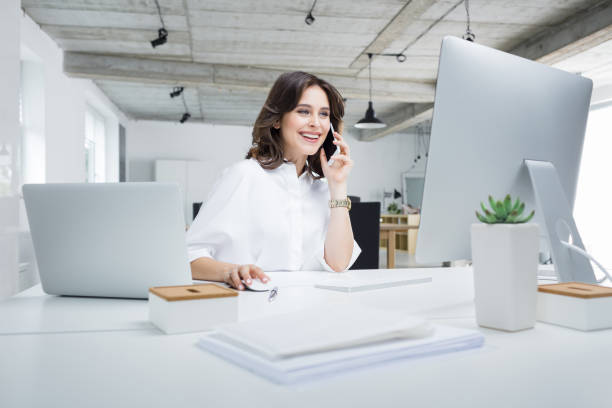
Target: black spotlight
x,y
176,91
162,37
185,117
309,19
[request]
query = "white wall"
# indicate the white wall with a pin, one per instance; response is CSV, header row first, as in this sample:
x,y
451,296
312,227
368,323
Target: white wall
x,y
378,164
64,116
9,137
147,141
54,125
601,94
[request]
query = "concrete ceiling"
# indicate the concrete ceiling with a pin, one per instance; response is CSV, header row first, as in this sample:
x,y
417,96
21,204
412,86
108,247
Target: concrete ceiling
x,y
228,53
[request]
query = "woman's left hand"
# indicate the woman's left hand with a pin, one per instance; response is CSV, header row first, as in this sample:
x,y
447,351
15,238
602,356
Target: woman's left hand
x,y
337,173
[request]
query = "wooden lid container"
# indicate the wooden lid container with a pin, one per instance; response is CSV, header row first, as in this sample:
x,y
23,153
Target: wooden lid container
x,y
577,289
192,292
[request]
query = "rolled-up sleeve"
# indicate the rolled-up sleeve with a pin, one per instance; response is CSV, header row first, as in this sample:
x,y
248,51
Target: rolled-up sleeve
x,y
320,255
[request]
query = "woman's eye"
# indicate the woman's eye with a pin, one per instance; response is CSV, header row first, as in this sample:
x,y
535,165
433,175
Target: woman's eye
x,y
325,114
303,112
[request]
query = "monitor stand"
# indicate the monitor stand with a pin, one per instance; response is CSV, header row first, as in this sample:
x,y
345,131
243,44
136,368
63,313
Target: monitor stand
x,y
559,223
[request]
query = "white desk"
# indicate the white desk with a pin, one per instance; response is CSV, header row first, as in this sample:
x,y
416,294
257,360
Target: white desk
x,y
127,363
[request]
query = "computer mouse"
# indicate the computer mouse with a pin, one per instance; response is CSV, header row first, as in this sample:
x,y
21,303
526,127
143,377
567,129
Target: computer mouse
x,y
257,286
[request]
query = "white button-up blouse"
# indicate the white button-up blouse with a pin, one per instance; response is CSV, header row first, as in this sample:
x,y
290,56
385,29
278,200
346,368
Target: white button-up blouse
x,y
269,218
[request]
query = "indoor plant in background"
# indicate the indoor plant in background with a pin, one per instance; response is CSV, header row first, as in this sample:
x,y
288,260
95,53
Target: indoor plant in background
x,y
505,260
393,209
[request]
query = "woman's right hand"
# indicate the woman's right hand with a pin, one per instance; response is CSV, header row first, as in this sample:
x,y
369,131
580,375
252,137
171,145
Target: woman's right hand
x,y
238,273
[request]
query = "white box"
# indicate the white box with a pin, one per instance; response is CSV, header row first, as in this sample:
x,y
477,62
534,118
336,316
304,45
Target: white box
x,y
192,308
575,305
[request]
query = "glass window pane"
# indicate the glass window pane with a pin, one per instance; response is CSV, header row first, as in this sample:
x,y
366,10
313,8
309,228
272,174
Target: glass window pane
x,y
593,195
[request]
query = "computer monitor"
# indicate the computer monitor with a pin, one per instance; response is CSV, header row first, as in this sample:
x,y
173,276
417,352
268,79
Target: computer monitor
x,y
492,112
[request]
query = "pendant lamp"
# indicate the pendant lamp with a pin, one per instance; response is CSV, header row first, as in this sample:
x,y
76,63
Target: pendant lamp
x,y
370,121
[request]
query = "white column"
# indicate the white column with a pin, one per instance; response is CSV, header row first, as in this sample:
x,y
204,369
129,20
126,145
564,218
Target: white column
x,y
9,144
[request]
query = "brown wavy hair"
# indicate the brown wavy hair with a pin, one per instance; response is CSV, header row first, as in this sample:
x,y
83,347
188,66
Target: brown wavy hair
x,y
267,147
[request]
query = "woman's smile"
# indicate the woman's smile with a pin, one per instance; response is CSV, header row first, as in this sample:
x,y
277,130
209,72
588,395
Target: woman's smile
x,y
304,128
310,136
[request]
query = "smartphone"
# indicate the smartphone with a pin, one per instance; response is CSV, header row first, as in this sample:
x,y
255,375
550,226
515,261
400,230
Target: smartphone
x,y
328,145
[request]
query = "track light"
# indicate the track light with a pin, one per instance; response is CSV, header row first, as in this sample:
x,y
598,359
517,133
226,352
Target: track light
x,y
179,91
469,35
162,33
185,117
400,57
162,38
176,91
310,18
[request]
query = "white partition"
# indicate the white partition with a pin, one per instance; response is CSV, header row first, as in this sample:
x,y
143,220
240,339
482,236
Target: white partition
x,y
193,177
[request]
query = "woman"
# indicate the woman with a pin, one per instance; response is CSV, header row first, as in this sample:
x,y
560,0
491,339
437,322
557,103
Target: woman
x,y
274,210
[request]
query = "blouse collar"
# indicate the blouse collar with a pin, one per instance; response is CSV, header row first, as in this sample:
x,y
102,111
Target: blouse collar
x,y
288,168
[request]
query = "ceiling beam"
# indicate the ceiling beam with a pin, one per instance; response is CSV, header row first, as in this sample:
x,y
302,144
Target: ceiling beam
x,y
393,30
580,32
399,120
140,70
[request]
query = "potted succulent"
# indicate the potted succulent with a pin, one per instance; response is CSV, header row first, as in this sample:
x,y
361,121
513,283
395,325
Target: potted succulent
x,y
505,260
393,209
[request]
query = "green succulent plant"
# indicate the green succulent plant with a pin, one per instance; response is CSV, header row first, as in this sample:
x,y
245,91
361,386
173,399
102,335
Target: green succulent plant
x,y
393,209
504,212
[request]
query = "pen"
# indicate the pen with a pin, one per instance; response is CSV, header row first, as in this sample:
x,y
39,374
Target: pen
x,y
273,293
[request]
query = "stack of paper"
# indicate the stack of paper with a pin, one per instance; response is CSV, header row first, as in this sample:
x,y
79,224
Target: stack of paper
x,y
319,342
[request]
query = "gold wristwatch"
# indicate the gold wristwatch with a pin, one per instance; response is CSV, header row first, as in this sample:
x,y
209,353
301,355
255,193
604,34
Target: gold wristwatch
x,y
341,203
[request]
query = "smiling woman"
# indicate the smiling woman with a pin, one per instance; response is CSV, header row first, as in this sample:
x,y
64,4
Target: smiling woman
x,y
299,102
284,207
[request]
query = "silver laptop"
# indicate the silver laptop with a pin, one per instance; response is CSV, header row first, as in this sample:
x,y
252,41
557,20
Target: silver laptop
x,y
108,240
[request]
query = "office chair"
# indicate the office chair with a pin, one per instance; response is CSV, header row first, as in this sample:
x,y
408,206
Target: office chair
x,y
196,209
365,220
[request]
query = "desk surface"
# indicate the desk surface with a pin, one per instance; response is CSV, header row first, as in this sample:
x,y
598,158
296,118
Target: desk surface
x,y
128,363
397,227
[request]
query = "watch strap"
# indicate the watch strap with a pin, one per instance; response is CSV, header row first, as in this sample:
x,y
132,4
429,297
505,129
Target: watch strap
x,y
340,203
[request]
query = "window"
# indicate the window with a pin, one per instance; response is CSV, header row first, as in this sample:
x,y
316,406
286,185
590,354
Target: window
x,y
593,195
95,136
32,121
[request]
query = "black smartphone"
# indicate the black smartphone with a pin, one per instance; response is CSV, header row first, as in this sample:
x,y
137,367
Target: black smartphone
x,y
328,145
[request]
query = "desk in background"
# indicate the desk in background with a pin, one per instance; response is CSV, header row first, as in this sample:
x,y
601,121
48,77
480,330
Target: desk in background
x,y
134,365
405,239
388,232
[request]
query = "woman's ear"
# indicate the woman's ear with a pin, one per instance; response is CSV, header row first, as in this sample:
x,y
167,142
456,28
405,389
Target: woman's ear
x,y
276,125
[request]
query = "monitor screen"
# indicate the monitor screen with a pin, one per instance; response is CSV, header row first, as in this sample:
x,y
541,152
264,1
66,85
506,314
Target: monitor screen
x,y
492,111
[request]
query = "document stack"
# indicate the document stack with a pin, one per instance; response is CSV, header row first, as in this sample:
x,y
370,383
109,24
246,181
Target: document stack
x,y
319,342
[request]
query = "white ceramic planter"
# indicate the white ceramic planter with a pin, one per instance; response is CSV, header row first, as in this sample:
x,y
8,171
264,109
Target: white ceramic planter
x,y
505,261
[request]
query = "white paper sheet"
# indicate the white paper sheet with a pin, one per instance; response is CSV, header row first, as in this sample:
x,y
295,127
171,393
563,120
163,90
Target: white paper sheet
x,y
323,328
324,364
